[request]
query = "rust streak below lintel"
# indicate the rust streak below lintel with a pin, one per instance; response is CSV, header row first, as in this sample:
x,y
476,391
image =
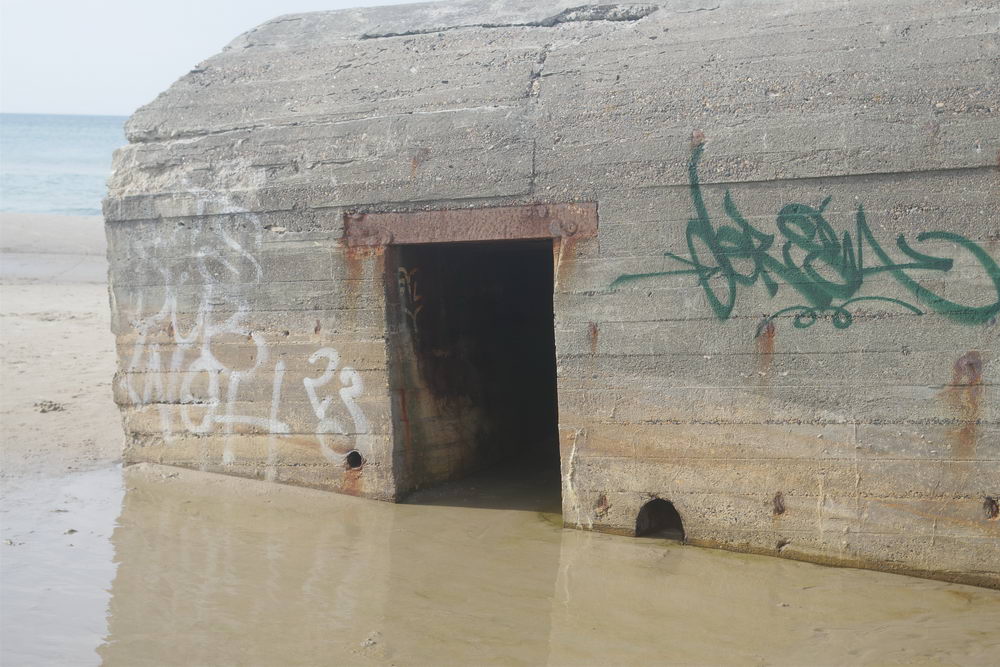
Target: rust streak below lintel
x,y
503,223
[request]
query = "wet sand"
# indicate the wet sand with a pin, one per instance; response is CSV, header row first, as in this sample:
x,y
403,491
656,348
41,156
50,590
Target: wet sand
x,y
56,350
214,570
155,565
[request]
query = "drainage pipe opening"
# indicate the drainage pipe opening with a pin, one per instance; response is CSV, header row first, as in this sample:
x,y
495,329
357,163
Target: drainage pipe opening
x,y
354,460
659,518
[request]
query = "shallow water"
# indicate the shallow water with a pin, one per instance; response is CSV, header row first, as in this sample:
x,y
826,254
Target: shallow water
x,y
218,570
56,565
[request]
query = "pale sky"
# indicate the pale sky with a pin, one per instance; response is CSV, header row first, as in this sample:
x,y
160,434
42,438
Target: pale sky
x,y
112,56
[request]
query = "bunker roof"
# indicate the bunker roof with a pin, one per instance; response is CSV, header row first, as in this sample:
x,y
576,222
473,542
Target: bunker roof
x,y
452,103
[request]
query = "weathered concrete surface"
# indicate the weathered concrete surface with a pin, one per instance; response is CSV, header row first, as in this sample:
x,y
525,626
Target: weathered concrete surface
x,y
757,166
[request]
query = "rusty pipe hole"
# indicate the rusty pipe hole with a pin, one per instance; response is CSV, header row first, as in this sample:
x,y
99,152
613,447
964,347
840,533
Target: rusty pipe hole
x,y
354,460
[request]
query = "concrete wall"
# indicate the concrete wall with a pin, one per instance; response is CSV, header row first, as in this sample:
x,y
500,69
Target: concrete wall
x,y
785,324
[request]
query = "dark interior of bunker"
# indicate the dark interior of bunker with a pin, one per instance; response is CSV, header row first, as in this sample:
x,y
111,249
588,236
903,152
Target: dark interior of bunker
x,y
474,373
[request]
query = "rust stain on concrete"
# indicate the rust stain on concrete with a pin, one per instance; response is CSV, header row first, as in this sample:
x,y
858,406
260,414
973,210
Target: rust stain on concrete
x,y
765,348
354,270
592,333
356,259
964,395
501,223
352,482
564,255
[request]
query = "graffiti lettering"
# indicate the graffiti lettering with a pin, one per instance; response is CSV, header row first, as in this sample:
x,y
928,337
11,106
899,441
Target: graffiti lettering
x,y
411,297
828,271
352,388
203,392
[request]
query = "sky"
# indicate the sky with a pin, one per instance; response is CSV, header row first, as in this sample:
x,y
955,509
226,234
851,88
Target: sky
x,y
109,57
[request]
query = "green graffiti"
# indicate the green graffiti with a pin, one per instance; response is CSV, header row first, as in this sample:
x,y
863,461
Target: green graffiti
x,y
830,273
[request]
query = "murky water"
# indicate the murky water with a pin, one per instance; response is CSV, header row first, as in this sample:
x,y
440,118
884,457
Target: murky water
x,y
216,570
56,565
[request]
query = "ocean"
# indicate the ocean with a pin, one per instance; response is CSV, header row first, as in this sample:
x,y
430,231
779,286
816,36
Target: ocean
x,y
56,164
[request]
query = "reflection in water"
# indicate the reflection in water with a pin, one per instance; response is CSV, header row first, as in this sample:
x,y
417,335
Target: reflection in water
x,y
218,570
56,565
221,570
633,602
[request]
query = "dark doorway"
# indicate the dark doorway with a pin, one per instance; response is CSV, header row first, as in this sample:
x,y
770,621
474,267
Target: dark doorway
x,y
474,368
659,518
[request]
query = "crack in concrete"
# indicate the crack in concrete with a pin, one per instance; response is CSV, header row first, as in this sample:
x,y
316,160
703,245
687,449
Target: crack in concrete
x,y
534,79
697,9
583,13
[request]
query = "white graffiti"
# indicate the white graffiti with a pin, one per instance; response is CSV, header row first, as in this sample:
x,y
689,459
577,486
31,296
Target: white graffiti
x,y
411,297
352,388
178,362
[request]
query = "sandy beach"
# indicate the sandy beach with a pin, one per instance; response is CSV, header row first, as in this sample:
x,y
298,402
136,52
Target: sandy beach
x,y
499,334
56,349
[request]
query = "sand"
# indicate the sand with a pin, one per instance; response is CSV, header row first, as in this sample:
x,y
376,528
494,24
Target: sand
x,y
57,357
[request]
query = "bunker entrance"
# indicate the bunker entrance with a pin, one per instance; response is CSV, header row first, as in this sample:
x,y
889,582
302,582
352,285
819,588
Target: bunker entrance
x,y
474,373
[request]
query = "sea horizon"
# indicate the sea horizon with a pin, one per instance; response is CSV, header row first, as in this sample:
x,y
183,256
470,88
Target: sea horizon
x,y
55,113
56,164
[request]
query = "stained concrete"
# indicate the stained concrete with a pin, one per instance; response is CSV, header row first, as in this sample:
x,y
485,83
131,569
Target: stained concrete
x,y
792,289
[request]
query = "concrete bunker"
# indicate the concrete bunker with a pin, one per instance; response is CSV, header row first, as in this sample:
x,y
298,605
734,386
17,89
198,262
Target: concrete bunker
x,y
793,284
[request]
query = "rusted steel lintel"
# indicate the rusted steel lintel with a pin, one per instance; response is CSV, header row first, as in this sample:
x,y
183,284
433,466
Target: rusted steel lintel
x,y
502,223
